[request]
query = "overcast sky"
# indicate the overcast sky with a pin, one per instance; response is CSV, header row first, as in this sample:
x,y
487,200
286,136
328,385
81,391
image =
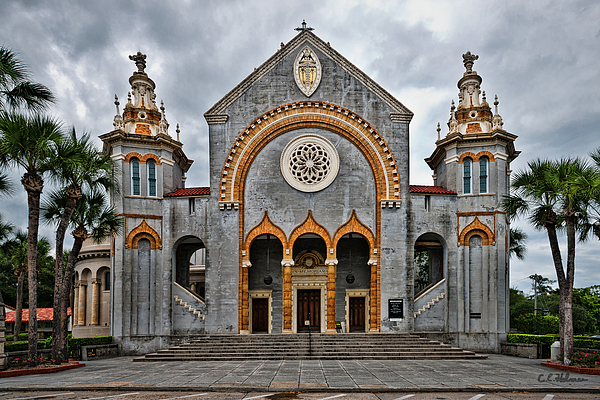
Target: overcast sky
x,y
540,57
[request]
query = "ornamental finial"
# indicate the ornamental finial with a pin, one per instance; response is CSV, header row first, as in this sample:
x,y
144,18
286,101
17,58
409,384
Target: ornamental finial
x,y
140,62
304,27
469,60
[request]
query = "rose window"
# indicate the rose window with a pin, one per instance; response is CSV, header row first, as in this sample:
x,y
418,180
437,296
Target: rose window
x,y
309,163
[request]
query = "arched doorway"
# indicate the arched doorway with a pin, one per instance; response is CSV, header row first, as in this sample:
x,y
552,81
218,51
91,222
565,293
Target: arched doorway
x,y
429,255
190,264
352,283
265,285
309,284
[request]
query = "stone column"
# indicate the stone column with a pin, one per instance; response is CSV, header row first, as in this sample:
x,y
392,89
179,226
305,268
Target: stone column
x,y
245,311
96,301
331,274
81,306
75,310
373,312
287,295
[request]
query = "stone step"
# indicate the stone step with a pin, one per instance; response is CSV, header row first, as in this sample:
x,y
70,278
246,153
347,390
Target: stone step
x,y
317,346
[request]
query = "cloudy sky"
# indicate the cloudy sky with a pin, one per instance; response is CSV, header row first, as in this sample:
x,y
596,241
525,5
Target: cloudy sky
x,y
541,58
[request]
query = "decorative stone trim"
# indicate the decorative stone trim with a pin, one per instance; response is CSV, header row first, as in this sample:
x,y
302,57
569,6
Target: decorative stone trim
x,y
354,225
266,226
390,203
310,226
246,264
143,231
476,227
216,119
476,157
142,158
228,205
401,117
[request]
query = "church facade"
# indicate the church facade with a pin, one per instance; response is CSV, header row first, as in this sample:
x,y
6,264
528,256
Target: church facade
x,y
310,221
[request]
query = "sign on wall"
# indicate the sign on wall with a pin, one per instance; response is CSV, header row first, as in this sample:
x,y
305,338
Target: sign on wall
x,y
396,309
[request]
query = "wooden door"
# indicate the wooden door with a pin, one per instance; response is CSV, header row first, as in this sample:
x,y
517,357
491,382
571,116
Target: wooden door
x,y
260,315
309,308
357,314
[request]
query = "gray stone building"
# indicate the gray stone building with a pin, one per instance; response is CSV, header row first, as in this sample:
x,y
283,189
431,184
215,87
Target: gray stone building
x,y
310,219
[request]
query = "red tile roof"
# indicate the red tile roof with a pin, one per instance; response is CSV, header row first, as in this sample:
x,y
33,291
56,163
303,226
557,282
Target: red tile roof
x,y
195,191
430,190
43,314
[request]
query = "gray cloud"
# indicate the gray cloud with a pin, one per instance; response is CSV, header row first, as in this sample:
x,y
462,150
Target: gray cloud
x,y
542,61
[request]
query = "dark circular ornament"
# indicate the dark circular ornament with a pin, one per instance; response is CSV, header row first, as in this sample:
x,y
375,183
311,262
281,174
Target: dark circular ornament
x,y
350,278
268,279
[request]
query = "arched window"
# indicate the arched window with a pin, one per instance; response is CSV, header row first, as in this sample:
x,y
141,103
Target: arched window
x,y
151,177
483,175
467,176
107,280
135,176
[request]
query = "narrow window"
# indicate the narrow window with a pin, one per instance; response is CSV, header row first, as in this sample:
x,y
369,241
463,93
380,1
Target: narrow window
x,y
192,203
107,281
467,176
483,175
427,203
151,178
135,177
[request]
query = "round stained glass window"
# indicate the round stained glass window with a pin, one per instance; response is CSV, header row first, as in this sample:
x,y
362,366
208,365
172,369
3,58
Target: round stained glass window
x,y
309,163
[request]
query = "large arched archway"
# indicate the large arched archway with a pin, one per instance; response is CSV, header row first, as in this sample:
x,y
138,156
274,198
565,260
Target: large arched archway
x,y
429,261
190,263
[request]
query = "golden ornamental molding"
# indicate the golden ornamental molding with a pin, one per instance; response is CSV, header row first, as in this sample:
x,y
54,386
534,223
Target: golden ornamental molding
x,y
354,225
143,231
308,114
476,227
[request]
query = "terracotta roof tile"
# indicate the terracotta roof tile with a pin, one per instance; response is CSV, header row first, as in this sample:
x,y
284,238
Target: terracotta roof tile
x,y
430,190
195,191
43,314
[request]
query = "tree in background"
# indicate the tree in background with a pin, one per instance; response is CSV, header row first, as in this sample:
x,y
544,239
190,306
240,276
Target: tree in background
x,y
78,167
29,142
93,217
16,89
517,247
547,194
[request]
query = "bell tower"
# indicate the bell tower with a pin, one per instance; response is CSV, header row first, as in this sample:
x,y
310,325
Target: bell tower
x,y
474,157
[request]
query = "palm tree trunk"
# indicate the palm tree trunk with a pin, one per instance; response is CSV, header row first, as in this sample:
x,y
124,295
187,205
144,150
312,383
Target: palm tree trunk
x,y
19,305
560,275
34,185
80,234
60,308
568,289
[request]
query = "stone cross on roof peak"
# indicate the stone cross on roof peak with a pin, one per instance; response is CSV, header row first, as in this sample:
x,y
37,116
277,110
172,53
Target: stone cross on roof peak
x,y
304,27
469,60
140,62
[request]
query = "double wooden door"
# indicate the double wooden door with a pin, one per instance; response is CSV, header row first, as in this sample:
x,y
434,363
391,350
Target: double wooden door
x,y
309,309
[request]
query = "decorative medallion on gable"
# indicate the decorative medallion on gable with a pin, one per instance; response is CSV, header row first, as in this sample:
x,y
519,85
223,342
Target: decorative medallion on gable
x,y
307,71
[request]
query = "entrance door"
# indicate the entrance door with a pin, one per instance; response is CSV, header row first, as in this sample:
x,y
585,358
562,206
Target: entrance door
x,y
260,315
357,314
309,308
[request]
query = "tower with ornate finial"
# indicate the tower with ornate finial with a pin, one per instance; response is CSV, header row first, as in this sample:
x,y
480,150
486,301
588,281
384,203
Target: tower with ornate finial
x,y
473,160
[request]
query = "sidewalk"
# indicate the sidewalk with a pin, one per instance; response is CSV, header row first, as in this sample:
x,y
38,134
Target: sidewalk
x,y
497,373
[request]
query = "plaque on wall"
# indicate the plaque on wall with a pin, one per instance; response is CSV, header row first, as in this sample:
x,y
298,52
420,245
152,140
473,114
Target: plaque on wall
x,y
396,309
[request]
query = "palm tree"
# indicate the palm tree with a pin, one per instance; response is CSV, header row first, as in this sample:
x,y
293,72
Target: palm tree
x,y
29,141
546,192
78,165
517,248
16,90
93,217
16,251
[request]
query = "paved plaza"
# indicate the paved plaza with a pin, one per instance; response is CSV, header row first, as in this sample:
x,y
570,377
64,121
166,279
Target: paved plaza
x,y
498,373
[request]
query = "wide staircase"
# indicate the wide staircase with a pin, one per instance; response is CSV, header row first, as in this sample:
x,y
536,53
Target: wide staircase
x,y
349,346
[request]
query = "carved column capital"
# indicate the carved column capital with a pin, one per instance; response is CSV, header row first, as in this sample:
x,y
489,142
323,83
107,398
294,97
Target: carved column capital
x,y
246,264
287,262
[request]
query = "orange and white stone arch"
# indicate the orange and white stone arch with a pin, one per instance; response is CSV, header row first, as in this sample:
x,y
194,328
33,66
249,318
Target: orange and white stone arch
x,y
476,227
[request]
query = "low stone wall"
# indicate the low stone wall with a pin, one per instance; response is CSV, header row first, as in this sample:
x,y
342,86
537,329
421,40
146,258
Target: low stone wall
x,y
97,351
525,350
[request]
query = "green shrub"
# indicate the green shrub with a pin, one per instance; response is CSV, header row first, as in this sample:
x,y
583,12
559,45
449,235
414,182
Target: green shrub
x,y
24,345
76,343
22,336
537,324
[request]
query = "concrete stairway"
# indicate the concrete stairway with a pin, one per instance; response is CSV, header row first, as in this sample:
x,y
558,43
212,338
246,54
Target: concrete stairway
x,y
349,346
